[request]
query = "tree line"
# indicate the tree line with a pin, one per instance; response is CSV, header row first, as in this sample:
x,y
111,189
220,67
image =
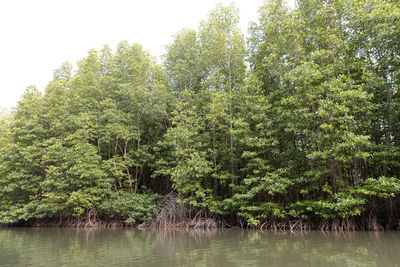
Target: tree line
x,y
298,122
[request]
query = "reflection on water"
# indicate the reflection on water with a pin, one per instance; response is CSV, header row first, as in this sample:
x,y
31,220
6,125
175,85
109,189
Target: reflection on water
x,y
132,247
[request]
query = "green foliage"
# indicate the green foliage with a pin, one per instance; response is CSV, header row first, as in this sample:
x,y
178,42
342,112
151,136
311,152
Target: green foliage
x,y
303,123
130,207
205,122
383,187
91,132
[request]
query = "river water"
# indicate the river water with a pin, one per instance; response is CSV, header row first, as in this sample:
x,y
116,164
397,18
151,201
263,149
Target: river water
x,y
133,247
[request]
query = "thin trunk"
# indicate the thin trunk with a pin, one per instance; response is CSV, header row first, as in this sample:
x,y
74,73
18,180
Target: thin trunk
x,y
109,148
98,145
334,175
215,161
390,128
232,162
356,172
137,175
231,146
136,178
339,172
127,166
115,166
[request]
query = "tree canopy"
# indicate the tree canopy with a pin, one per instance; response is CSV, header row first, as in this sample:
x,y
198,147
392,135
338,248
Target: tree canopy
x,y
297,122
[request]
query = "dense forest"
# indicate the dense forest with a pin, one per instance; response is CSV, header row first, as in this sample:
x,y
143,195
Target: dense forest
x,y
296,126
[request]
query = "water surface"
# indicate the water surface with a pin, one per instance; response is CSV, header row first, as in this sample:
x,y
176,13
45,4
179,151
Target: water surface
x,y
133,247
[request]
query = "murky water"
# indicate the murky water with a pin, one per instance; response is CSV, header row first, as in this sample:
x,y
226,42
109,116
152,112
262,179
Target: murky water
x,y
132,247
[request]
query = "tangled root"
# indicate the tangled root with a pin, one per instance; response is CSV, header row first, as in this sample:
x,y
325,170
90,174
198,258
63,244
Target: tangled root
x,y
90,220
171,214
288,225
344,224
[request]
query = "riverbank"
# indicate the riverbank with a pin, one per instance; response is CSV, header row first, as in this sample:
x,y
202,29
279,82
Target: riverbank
x,y
209,223
170,213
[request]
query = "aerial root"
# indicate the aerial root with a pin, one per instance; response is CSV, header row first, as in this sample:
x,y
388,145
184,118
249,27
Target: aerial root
x,y
285,225
171,214
343,224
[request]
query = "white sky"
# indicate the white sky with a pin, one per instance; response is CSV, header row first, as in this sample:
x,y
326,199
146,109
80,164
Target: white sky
x,y
37,36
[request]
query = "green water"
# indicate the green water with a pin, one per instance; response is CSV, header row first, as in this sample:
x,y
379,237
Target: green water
x,y
132,247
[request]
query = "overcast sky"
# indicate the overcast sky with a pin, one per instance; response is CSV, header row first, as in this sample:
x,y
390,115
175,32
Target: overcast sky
x,y
37,36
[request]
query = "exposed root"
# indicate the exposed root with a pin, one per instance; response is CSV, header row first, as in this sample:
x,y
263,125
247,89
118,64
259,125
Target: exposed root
x,y
345,224
77,222
286,225
90,220
168,213
171,214
373,224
